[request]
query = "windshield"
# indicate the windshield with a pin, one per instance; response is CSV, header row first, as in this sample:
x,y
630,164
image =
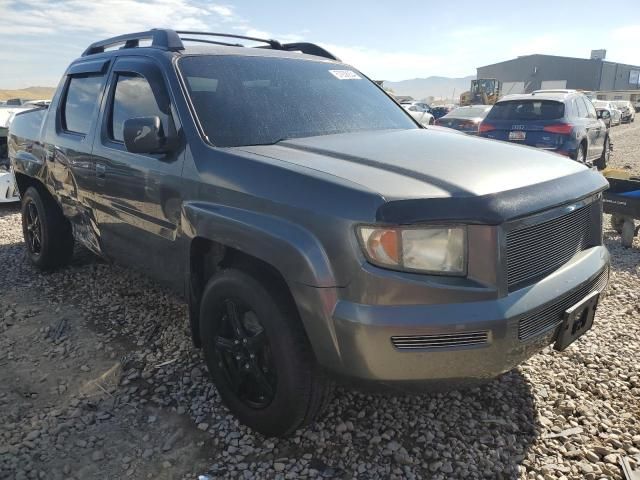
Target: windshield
x,y
247,100
526,110
469,112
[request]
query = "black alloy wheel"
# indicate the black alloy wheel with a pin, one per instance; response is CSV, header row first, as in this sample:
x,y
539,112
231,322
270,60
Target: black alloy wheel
x,y
48,235
33,228
244,355
258,354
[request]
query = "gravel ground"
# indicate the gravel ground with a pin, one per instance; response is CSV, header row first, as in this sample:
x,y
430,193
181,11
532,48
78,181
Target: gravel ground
x,y
99,379
626,146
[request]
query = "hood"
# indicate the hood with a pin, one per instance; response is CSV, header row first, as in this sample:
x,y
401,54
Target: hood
x,y
438,174
431,163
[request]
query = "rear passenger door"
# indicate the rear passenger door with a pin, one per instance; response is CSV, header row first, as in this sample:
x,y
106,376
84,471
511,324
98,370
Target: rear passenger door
x,y
68,138
596,130
138,195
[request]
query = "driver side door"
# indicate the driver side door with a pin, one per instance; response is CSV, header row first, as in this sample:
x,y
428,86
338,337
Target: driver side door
x,y
138,196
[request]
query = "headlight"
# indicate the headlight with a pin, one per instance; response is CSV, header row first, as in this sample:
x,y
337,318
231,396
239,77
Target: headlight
x,y
438,250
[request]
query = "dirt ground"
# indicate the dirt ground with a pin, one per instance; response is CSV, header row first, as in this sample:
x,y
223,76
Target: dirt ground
x,y
99,380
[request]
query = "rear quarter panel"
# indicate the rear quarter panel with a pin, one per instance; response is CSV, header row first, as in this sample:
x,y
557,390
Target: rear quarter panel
x,y
26,151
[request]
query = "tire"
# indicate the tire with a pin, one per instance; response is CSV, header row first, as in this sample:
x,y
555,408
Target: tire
x,y
282,388
47,233
581,154
432,121
602,162
616,222
628,232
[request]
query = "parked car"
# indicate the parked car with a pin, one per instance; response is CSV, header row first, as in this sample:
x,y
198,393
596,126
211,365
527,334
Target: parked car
x,y
7,112
420,112
440,111
604,114
616,113
628,112
315,229
466,119
562,122
8,190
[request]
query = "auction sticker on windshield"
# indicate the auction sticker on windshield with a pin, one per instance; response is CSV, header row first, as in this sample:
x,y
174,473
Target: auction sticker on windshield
x,y
345,75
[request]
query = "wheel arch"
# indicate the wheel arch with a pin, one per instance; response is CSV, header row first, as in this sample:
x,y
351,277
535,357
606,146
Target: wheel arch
x,y
24,181
287,258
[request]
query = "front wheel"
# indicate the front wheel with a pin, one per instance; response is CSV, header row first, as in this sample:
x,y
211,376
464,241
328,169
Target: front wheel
x,y
581,154
602,162
47,233
258,354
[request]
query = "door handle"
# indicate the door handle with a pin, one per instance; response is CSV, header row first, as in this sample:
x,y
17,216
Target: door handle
x,y
101,170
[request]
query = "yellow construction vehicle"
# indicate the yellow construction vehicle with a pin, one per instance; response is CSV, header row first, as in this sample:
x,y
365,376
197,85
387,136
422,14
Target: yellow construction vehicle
x,y
484,91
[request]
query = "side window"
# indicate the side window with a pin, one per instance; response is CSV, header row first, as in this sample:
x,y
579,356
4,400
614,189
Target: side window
x,y
80,102
572,109
132,98
590,108
582,108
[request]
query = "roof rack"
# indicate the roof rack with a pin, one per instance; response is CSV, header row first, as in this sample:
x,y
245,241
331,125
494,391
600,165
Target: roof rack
x,y
160,38
272,43
166,39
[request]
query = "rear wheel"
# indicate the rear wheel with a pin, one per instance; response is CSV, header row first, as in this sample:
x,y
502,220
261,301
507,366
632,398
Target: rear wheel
x,y
259,356
47,233
616,222
602,162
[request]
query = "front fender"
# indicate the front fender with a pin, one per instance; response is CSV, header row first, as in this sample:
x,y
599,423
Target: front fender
x,y
292,250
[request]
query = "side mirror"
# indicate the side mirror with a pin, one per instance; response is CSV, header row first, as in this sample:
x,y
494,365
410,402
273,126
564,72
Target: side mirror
x,y
604,114
145,135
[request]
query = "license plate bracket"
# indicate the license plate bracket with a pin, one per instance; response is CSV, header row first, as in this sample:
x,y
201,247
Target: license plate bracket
x,y
517,135
577,320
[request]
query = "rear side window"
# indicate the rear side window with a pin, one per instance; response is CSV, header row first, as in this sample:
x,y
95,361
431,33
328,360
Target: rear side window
x,y
132,98
591,110
527,110
80,102
582,108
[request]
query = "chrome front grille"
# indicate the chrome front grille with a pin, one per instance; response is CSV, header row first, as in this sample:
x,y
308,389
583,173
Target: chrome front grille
x,y
550,316
441,340
534,251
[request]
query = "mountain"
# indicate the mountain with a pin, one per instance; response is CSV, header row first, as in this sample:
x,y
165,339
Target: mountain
x,y
437,87
30,93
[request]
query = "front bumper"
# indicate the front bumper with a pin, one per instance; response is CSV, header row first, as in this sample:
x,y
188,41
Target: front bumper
x,y
364,332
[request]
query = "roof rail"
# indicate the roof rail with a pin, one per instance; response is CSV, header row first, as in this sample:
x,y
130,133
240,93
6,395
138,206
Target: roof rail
x,y
303,47
167,39
309,49
164,39
272,43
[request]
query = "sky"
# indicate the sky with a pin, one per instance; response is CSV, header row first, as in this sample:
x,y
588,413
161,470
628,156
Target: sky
x,y
385,40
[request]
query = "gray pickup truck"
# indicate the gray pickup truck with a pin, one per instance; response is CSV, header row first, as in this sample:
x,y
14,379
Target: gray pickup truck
x,y
315,229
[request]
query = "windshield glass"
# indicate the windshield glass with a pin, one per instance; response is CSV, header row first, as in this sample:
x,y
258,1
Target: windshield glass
x,y
527,110
472,112
245,100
